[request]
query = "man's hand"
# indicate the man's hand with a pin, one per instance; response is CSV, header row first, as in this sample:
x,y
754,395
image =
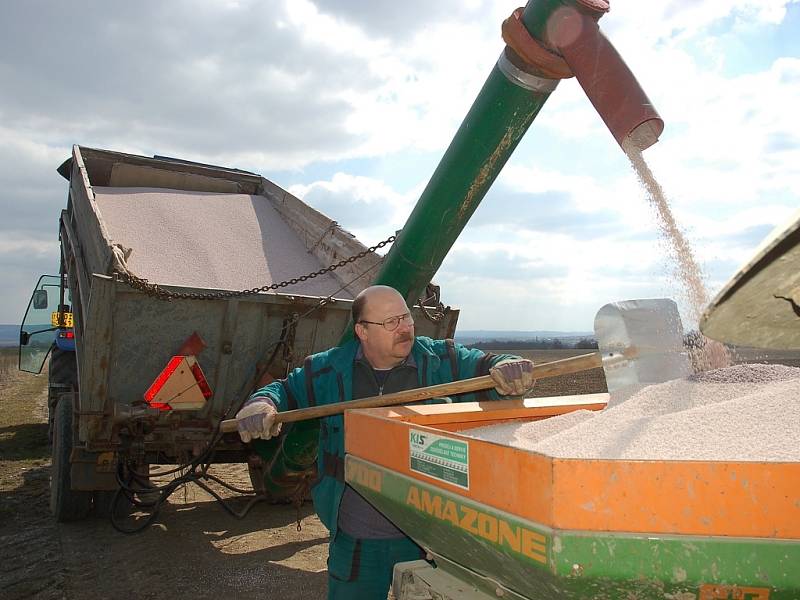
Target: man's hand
x,y
257,420
513,376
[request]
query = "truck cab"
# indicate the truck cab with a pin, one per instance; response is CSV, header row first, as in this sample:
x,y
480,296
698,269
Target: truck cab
x,y
47,331
47,324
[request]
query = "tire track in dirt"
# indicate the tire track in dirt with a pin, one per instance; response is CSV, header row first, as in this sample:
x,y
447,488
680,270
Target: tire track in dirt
x,y
31,563
194,549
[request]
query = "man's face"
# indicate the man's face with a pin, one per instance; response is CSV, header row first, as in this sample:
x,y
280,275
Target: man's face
x,y
384,348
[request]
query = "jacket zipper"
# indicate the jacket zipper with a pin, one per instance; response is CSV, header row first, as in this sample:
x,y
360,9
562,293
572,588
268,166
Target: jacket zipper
x,y
375,380
385,380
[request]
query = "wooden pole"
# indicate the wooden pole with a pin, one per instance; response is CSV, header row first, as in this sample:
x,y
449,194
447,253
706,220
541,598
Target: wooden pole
x,y
564,366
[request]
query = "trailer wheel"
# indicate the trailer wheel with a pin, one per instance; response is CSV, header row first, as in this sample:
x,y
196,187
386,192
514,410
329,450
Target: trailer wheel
x,y
66,504
62,378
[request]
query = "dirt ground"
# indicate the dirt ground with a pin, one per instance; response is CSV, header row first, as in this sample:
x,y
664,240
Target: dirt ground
x,y
194,549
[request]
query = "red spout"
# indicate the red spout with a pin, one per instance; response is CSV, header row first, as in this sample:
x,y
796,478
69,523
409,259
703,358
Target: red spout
x,y
604,76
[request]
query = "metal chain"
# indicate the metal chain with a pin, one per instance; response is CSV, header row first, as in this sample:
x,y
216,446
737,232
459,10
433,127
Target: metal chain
x,y
436,314
301,492
155,291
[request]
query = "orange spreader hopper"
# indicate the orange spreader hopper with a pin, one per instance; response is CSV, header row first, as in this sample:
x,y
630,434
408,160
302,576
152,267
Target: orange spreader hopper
x,y
509,522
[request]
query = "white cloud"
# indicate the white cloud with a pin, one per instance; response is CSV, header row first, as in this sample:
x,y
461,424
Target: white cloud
x,y
302,87
678,20
367,207
16,244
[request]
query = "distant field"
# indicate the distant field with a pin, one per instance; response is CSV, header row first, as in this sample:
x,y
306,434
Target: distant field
x,y
586,382
9,335
8,363
790,358
594,380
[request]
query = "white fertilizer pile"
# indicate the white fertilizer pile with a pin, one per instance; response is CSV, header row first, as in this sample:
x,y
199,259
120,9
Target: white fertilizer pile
x,y
746,412
209,240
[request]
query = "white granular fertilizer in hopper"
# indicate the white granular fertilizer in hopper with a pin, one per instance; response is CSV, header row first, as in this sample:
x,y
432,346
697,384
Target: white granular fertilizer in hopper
x,y
209,240
746,412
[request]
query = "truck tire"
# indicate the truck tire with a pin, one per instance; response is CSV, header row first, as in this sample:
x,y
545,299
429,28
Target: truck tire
x,y
63,367
62,378
66,504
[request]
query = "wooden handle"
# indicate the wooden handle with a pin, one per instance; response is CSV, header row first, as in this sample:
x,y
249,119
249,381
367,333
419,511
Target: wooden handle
x,y
540,371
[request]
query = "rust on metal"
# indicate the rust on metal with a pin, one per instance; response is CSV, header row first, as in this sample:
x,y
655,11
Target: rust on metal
x,y
712,591
95,425
490,168
531,51
193,345
599,7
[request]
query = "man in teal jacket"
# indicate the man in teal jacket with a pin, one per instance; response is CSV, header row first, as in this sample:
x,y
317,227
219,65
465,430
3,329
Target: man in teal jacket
x,y
385,357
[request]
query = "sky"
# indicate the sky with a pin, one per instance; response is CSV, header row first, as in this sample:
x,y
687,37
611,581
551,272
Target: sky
x,y
351,105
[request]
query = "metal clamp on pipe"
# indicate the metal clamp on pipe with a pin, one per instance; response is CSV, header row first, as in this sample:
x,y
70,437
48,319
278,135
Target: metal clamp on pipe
x,y
527,49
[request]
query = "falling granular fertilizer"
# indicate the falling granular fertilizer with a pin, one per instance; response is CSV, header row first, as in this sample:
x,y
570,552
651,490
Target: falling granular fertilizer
x,y
209,240
711,354
745,412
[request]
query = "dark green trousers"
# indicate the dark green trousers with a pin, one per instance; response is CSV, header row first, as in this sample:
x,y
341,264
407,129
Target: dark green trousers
x,y
362,569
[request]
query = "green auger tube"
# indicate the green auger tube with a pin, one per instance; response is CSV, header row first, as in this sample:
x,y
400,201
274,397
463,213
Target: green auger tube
x,y
509,101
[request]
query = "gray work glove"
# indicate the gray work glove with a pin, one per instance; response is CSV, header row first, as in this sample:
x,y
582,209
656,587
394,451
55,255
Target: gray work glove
x,y
257,420
513,376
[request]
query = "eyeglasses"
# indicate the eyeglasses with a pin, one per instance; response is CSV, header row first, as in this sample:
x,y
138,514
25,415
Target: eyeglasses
x,y
392,323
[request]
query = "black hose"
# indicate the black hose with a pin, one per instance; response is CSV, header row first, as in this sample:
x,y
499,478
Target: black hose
x,y
132,493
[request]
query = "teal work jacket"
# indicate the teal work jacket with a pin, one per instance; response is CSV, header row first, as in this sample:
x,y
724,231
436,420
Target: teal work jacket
x,y
327,377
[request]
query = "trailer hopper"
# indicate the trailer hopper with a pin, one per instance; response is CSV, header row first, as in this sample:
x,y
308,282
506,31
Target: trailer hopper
x,y
196,232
